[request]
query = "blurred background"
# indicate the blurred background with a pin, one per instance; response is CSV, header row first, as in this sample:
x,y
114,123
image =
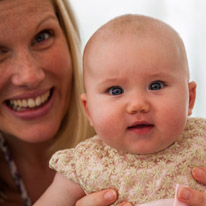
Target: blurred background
x,y
187,17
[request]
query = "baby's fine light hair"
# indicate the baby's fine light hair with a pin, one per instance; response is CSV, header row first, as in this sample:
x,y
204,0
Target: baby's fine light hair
x,y
139,26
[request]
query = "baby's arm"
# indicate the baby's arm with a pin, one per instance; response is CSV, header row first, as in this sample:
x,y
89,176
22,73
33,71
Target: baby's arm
x,y
62,192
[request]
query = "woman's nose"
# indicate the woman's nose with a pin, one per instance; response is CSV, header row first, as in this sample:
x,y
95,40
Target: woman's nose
x,y
138,104
26,71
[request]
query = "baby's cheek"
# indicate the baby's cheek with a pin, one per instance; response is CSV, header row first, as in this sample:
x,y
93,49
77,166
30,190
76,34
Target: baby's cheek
x,y
105,128
109,124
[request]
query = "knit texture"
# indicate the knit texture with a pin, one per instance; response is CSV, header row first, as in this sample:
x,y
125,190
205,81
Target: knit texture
x,y
137,178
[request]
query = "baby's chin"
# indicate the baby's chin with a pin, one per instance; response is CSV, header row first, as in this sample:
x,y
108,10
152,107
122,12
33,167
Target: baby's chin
x,y
143,150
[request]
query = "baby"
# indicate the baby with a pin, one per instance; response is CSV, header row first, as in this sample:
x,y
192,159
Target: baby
x,y
138,98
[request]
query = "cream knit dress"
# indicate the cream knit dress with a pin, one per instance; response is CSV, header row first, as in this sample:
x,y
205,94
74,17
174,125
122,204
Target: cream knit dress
x,y
137,178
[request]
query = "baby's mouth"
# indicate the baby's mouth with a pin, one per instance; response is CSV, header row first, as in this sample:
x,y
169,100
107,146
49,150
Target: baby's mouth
x,y
140,126
30,103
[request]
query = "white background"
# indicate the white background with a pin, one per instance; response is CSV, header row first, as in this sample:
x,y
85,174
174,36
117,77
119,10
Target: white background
x,y
187,17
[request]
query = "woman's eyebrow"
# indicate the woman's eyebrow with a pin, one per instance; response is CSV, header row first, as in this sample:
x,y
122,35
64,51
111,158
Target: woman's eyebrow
x,y
50,17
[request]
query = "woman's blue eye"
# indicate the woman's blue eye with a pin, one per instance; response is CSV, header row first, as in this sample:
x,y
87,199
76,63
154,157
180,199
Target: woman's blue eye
x,y
156,85
4,53
115,90
42,36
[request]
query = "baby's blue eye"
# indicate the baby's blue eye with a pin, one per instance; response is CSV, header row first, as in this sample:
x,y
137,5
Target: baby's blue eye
x,y
116,90
156,85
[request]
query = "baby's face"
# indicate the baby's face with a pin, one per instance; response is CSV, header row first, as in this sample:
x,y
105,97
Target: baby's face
x,y
137,93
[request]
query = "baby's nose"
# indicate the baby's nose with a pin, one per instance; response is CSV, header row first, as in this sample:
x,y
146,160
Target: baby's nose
x,y
138,105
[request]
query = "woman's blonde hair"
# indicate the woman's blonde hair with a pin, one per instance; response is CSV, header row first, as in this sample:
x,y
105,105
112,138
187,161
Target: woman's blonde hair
x,y
75,126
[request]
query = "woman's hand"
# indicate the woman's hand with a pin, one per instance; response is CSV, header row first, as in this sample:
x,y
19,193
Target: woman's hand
x,y
194,197
102,198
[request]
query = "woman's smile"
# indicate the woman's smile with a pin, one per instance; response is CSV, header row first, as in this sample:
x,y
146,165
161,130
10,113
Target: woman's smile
x,y
32,106
23,104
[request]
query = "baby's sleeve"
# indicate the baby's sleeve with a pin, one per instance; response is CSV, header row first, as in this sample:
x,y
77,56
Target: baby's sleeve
x,y
63,162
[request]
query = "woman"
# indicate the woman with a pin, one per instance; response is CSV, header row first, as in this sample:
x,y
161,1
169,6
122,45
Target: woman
x,y
39,86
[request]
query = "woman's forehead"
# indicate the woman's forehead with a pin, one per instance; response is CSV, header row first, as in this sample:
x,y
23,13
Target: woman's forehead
x,y
20,8
22,13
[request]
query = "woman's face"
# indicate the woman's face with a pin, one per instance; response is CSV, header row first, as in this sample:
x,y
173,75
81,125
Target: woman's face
x,y
35,70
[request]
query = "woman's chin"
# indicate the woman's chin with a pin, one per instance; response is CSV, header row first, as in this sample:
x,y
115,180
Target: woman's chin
x,y
38,134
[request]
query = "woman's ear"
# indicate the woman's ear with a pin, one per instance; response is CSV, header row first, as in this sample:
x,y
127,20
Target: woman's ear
x,y
83,98
192,96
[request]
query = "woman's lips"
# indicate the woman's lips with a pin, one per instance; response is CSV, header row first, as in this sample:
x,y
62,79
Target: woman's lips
x,y
31,108
29,103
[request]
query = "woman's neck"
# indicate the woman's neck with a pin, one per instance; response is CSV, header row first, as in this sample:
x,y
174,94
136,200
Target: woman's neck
x,y
32,160
26,151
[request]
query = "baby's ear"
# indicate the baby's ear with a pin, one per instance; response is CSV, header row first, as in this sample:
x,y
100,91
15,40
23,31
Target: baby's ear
x,y
83,98
192,96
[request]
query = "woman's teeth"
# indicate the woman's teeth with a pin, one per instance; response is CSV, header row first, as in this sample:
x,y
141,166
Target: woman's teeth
x,y
23,104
